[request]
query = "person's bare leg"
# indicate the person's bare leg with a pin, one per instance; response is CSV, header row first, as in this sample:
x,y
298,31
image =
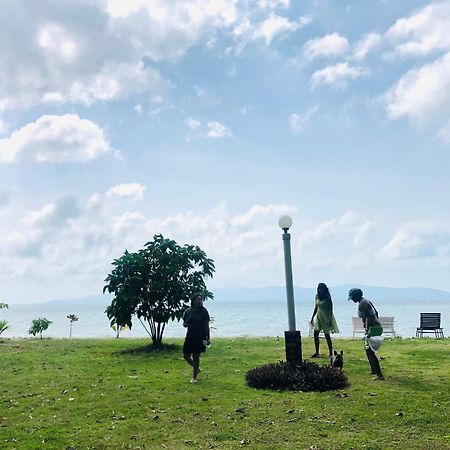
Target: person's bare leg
x,y
374,364
188,359
316,344
330,344
195,366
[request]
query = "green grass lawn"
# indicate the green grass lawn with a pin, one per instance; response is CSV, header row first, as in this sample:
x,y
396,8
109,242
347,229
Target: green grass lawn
x,y
116,393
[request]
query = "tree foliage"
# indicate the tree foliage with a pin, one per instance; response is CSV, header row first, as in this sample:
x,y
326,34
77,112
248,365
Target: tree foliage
x,y
3,323
39,325
156,283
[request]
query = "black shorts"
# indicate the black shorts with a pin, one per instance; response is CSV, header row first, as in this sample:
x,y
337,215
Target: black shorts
x,y
193,345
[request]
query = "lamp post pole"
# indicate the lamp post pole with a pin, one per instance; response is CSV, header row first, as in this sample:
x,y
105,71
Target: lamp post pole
x,y
292,337
289,282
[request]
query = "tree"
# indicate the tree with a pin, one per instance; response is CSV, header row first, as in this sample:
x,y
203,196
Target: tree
x,y
3,323
156,283
73,318
39,325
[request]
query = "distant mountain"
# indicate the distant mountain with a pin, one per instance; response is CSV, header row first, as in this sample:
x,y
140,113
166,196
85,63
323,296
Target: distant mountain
x,y
101,300
338,293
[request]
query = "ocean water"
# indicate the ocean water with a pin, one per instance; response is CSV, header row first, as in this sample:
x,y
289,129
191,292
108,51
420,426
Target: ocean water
x,y
230,318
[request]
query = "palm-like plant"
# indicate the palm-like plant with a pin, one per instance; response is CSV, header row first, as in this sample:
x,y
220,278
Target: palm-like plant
x,y
73,318
3,323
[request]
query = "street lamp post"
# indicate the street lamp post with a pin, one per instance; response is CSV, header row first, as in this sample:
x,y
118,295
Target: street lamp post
x,y
292,337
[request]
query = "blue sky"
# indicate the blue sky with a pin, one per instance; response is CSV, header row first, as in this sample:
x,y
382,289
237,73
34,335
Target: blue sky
x,y
206,120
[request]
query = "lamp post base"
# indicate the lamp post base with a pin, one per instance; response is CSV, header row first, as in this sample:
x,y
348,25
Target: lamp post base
x,y
293,345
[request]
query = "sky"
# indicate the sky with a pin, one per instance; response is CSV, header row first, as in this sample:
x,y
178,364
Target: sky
x,y
207,120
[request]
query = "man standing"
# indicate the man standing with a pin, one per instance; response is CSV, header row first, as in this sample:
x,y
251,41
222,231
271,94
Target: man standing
x,y
369,316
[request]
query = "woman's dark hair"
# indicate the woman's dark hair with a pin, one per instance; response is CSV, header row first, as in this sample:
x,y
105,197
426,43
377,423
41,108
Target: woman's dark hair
x,y
322,292
194,297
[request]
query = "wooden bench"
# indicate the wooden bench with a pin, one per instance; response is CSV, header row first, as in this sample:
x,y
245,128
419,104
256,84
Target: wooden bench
x,y
386,322
430,323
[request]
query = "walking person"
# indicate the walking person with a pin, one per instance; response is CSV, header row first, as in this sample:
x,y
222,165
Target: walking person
x,y
196,320
325,321
369,316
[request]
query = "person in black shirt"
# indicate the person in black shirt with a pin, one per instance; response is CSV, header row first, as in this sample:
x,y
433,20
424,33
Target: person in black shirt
x,y
196,320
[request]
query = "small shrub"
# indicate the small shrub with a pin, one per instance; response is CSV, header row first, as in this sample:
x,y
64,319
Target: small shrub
x,y
306,376
39,325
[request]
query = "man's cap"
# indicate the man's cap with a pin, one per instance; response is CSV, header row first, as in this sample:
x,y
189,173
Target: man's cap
x,y
355,293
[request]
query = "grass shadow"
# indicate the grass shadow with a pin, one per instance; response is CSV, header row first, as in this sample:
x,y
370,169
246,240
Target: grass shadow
x,y
162,349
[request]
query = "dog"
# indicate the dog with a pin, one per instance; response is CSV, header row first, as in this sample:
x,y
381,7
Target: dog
x,y
337,360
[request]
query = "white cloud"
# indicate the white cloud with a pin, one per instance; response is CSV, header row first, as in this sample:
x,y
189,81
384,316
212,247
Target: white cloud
x,y
422,92
53,54
78,251
267,29
179,14
273,4
54,214
55,139
138,108
351,236
192,123
133,191
330,45
366,44
112,83
218,130
257,212
298,122
57,41
127,222
419,240
243,28
166,30
337,75
274,25
423,32
62,251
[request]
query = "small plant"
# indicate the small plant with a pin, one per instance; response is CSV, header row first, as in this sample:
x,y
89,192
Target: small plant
x,y
3,323
39,325
3,326
73,318
306,376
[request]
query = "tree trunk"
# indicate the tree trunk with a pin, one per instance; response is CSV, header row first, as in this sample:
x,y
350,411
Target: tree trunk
x,y
155,331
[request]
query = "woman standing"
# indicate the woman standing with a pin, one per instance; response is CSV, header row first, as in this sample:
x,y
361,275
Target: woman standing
x,y
325,321
196,320
369,316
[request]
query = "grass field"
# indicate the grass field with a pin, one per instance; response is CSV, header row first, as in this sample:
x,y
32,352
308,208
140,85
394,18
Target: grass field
x,y
117,393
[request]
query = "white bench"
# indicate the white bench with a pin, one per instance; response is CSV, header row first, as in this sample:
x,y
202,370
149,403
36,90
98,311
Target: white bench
x,y
386,322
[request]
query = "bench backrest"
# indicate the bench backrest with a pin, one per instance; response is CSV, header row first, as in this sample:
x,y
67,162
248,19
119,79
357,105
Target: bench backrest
x,y
358,325
430,321
387,323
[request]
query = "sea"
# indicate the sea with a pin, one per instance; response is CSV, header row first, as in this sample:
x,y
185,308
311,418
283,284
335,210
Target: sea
x,y
240,317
